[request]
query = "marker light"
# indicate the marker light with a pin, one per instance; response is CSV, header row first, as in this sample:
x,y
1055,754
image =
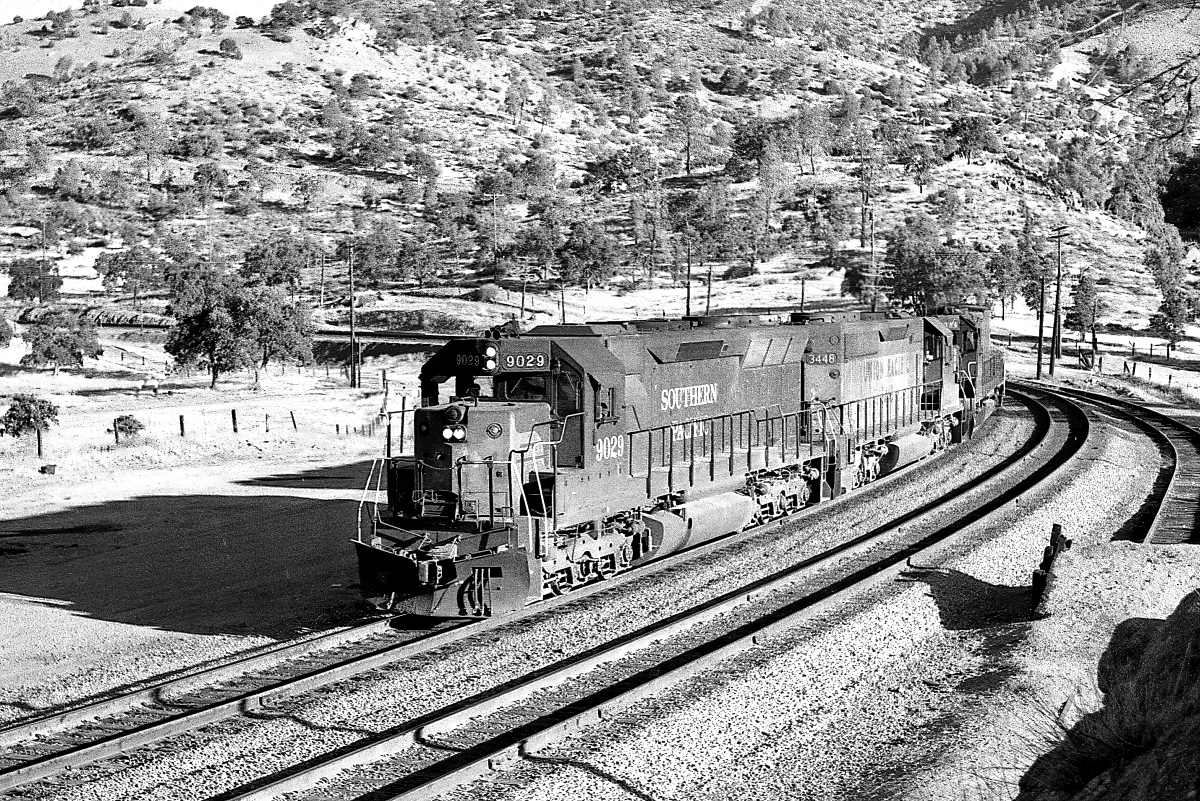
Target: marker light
x,y
459,433
490,352
490,364
447,433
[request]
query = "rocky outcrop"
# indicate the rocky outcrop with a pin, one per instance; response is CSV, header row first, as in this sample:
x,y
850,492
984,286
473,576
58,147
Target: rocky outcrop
x,y
1144,743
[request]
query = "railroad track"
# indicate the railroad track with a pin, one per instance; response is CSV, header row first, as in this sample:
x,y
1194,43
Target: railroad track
x,y
43,748
61,740
432,754
1171,513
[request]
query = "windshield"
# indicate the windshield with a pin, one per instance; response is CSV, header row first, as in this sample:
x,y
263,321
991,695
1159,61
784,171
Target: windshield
x,y
562,390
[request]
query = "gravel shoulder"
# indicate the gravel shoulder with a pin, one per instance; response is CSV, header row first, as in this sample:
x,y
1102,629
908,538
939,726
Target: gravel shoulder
x,y
215,760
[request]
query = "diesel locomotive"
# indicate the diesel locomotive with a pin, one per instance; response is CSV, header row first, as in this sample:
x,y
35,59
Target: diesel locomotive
x,y
548,459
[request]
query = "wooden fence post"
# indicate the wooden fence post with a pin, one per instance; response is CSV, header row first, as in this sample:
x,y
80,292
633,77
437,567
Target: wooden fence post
x,y
116,433
294,427
38,433
233,414
182,430
267,422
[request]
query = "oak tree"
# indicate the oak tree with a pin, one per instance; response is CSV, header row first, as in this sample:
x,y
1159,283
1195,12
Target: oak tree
x,y
30,279
60,339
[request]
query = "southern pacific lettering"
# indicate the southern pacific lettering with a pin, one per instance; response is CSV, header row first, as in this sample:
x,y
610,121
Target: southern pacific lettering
x,y
593,448
687,397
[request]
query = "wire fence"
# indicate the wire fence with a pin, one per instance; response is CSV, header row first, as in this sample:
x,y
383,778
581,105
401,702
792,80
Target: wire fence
x,y
238,424
1130,366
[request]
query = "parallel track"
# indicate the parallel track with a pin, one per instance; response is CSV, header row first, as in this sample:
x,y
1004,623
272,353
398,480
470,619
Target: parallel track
x,y
1171,514
44,747
430,755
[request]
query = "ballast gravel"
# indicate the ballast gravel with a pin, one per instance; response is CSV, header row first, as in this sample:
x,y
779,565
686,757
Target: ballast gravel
x,y
904,686
227,755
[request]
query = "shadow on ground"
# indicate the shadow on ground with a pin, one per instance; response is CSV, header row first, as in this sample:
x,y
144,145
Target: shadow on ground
x,y
964,602
205,564
347,477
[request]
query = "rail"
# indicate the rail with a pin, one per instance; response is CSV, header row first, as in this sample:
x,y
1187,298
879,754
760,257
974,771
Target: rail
x,y
1171,512
118,725
517,718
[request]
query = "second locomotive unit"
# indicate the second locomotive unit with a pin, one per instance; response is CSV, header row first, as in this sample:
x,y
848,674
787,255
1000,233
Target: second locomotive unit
x,y
548,459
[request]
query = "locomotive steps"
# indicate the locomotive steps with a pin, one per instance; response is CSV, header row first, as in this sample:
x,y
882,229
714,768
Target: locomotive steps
x,y
433,753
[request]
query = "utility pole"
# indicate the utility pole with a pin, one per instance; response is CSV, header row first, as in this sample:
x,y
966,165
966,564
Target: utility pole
x,y
353,340
708,292
493,196
688,309
42,272
1060,233
874,277
322,285
1041,321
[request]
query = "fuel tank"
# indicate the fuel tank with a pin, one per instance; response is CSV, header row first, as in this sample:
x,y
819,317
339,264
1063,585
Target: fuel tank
x,y
904,450
698,521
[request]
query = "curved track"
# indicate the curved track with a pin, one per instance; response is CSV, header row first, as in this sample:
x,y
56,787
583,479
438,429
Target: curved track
x,y
430,755
1171,513
44,747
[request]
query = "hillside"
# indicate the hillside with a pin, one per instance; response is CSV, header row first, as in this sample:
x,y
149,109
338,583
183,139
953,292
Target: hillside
x,y
567,130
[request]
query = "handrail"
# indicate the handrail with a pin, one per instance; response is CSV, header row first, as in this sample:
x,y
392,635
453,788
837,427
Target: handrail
x,y
378,461
530,443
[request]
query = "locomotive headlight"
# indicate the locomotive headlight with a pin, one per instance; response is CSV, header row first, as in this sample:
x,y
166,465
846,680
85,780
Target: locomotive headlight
x,y
490,352
490,364
459,433
447,433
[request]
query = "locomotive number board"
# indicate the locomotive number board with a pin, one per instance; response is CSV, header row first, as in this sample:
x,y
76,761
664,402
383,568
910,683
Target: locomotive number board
x,y
820,358
528,356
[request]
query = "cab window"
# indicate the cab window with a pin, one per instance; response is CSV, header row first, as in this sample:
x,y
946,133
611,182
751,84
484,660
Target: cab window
x,y
522,387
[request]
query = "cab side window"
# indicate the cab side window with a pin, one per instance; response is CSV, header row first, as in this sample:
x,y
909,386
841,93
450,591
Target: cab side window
x,y
606,403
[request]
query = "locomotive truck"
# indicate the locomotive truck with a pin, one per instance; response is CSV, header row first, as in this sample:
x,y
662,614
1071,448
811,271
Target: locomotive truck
x,y
548,459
